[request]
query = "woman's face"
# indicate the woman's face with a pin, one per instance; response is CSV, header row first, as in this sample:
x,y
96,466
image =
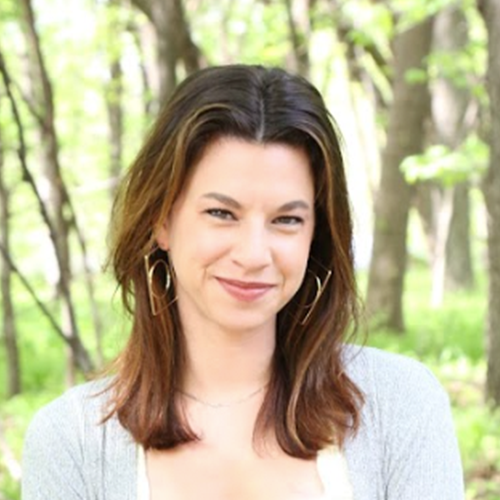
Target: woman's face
x,y
239,234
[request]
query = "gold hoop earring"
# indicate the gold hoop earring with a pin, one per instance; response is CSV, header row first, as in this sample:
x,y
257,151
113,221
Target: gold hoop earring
x,y
153,296
320,288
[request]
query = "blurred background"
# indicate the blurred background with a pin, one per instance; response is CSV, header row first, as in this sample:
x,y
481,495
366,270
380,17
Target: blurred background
x,y
415,88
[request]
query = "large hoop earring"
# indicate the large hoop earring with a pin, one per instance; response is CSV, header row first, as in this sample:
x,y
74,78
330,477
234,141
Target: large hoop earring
x,y
320,288
154,297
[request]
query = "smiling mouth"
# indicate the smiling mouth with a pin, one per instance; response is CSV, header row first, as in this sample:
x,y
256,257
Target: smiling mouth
x,y
246,291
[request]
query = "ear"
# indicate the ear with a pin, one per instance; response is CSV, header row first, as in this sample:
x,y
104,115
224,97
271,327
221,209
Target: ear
x,y
162,238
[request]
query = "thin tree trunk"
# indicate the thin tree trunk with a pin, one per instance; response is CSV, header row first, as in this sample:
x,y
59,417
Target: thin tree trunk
x,y
174,41
300,32
449,105
490,10
53,174
459,273
79,352
9,325
355,56
444,212
114,99
405,136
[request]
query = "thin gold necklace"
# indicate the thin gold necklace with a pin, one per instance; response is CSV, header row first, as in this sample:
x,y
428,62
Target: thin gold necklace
x,y
222,405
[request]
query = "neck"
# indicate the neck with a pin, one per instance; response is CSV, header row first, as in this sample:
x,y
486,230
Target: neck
x,y
225,366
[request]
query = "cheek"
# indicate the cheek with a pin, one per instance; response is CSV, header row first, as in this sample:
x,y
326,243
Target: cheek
x,y
294,261
201,248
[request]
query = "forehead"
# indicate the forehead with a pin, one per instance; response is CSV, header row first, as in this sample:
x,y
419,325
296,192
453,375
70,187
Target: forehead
x,y
247,168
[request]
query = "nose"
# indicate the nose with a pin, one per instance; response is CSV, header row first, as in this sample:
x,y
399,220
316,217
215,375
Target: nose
x,y
252,246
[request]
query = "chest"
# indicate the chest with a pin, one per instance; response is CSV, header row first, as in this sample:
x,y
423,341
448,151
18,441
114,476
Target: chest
x,y
196,471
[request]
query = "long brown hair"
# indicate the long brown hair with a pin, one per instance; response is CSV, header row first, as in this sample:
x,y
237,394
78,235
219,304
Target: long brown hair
x,y
310,402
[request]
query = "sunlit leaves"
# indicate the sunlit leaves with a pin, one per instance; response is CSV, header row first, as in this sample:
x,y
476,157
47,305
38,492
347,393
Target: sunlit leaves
x,y
241,31
373,23
408,13
440,163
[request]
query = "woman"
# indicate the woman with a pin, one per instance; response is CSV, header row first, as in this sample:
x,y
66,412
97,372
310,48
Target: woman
x,y
232,246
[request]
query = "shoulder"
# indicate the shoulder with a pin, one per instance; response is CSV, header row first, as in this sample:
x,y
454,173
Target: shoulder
x,y
385,377
76,408
69,422
68,442
402,397
406,447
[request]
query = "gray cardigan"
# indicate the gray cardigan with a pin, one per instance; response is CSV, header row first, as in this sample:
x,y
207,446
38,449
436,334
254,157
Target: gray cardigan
x,y
405,450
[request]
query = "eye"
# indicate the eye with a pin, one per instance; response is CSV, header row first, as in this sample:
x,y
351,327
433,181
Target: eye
x,y
288,220
220,213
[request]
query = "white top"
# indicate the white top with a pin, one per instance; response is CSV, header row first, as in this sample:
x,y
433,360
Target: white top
x,y
331,464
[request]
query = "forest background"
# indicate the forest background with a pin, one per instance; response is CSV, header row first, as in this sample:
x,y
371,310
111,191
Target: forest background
x,y
415,88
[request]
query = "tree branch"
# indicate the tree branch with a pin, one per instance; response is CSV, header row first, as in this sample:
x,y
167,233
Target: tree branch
x,y
33,294
21,152
145,7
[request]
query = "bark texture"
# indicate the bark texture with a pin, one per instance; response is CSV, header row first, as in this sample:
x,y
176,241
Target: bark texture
x,y
450,105
174,42
299,26
114,96
459,272
490,10
59,214
405,136
8,318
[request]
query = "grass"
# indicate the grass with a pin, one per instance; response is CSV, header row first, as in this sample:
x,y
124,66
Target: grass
x,y
450,340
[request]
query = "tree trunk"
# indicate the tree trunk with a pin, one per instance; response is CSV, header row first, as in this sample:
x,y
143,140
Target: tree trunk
x,y
114,96
145,67
56,196
62,213
459,273
80,354
449,106
9,325
490,10
405,135
300,32
174,41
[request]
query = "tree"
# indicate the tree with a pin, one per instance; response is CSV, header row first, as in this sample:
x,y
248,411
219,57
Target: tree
x,y
114,93
405,135
9,324
174,43
300,31
451,103
59,203
490,10
77,348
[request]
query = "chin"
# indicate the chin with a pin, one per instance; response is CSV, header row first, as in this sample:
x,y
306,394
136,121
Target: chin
x,y
244,322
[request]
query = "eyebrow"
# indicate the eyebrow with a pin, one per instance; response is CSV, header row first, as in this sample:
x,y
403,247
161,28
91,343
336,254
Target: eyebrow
x,y
231,202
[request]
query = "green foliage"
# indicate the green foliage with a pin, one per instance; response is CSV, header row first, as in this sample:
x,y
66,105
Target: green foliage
x,y
464,68
244,26
449,167
79,43
373,24
409,13
416,76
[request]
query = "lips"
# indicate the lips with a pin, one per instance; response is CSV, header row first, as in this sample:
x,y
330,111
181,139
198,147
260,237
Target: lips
x,y
245,291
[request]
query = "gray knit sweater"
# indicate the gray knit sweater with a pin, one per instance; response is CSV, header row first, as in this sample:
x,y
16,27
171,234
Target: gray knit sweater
x,y
405,450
